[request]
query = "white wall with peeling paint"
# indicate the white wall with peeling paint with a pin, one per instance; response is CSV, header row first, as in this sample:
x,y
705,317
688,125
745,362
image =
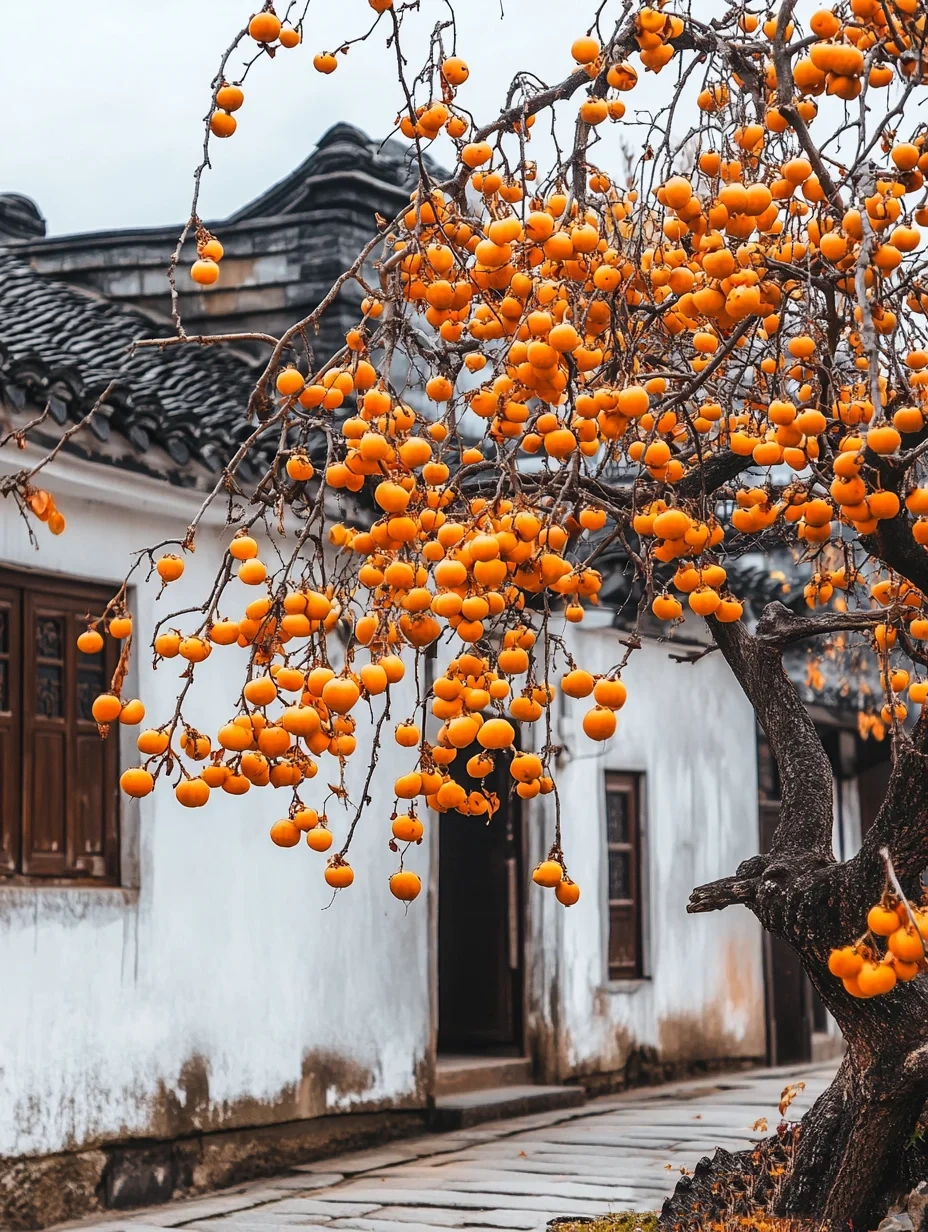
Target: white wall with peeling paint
x,y
229,962
688,730
221,987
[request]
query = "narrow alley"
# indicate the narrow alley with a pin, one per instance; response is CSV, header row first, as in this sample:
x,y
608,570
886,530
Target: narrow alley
x,y
615,1153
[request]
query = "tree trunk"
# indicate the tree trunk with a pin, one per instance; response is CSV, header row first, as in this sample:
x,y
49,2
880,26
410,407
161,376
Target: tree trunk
x,y
851,1155
844,1165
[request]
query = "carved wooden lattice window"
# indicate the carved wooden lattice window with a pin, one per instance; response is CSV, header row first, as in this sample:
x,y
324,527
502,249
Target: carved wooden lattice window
x,y
58,779
623,843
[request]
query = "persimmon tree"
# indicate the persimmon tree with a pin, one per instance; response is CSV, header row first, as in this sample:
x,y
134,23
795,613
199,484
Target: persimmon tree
x,y
718,347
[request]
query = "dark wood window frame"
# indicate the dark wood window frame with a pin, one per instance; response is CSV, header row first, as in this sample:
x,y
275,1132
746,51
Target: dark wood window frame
x,y
624,876
59,798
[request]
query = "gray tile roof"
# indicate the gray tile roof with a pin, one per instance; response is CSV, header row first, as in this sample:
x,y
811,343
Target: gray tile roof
x,y
61,346
182,408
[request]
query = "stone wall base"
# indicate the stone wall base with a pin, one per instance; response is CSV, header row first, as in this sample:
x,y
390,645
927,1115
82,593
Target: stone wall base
x,y
43,1190
644,1068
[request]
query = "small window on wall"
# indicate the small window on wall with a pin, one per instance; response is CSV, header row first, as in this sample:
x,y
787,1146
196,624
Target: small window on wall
x,y
58,779
623,842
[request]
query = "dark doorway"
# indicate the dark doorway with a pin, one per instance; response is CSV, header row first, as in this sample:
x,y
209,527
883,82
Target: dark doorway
x,y
874,769
789,992
479,922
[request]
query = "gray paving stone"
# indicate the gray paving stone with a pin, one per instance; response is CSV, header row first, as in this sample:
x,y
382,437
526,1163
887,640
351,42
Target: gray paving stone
x,y
534,1172
255,1224
437,1217
347,1205
359,1161
618,1141
176,1214
118,1225
453,1199
304,1180
383,1225
548,1187
263,1217
529,1148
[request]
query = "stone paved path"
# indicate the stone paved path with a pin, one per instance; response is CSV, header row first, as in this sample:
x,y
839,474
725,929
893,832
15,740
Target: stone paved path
x,y
615,1153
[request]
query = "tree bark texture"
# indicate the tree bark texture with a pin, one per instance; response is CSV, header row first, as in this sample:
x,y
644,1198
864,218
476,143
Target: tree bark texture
x,y
852,1154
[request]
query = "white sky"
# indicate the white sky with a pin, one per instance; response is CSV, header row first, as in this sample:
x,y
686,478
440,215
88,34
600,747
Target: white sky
x,y
102,128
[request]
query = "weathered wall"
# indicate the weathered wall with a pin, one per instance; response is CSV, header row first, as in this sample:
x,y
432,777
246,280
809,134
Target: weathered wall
x,y
220,993
689,730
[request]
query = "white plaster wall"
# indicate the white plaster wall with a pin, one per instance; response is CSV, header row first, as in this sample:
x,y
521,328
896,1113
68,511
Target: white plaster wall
x,y
689,730
224,964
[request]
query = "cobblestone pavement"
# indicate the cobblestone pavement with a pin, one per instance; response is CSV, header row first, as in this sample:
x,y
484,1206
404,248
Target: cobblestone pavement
x,y
615,1153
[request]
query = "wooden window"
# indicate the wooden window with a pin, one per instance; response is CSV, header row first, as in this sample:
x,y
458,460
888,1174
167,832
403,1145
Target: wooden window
x,y
58,779
623,844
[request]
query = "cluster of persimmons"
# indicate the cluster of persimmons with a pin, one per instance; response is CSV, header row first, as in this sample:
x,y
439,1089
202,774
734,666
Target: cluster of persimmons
x,y
864,969
585,350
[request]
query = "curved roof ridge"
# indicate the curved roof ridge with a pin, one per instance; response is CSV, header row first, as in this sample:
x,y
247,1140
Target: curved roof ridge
x,y
345,150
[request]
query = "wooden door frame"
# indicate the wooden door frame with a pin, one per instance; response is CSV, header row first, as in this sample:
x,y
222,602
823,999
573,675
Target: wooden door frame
x,y
432,906
12,785
519,883
37,588
526,810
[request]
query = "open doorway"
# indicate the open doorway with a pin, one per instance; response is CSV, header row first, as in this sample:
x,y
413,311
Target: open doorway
x,y
797,1021
480,923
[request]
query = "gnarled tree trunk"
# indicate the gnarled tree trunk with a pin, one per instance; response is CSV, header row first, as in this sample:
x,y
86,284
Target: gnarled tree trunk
x,y
850,1156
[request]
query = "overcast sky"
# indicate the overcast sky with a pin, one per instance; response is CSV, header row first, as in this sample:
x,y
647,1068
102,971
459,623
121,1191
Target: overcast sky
x,y
103,128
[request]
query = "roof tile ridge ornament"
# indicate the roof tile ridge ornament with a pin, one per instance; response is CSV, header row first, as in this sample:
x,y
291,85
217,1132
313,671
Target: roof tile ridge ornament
x,y
20,218
342,150
388,159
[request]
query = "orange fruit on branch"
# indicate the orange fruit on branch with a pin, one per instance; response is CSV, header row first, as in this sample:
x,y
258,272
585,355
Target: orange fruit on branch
x,y
407,829
132,713
285,833
567,892
170,567
599,723
106,708
205,271
405,886
90,642
192,793
264,27
136,782
882,921
229,97
319,838
221,124
548,873
338,875
874,979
